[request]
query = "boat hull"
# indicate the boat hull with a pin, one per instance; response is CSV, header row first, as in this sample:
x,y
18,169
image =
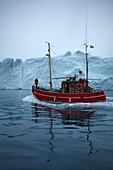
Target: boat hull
x,y
67,97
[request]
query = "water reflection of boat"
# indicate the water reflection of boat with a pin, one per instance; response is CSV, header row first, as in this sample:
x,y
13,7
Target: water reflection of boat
x,y
79,118
69,118
39,111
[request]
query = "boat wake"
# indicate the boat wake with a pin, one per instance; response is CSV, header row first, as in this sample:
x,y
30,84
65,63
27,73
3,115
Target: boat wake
x,y
108,104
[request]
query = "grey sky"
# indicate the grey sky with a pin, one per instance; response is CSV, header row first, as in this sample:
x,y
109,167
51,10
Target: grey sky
x,y
25,25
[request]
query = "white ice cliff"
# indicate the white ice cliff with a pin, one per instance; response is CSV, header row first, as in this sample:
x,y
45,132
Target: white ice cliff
x,y
18,74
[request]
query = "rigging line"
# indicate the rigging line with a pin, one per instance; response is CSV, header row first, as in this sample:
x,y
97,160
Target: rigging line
x,y
47,77
69,67
90,63
55,82
90,67
41,70
47,82
62,61
54,52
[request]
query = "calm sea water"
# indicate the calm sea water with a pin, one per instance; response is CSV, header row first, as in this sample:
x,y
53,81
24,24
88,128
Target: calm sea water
x,y
38,136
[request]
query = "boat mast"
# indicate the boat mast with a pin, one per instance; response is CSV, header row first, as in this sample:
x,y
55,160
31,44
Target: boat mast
x,y
50,67
86,52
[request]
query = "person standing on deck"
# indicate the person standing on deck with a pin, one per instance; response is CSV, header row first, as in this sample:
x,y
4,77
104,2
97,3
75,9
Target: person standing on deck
x,y
36,82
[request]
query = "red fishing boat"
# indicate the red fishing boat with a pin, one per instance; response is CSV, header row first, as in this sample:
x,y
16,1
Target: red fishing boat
x,y
73,89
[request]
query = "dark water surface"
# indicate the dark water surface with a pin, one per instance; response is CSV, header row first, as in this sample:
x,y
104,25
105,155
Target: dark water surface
x,y
36,136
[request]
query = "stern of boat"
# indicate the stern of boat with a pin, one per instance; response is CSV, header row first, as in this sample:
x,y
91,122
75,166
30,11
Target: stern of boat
x,y
33,89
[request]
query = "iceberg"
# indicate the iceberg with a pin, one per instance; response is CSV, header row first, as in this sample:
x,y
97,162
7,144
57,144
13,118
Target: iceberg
x,y
18,74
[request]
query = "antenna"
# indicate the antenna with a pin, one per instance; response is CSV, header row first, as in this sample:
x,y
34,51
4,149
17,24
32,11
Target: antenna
x,y
86,46
86,28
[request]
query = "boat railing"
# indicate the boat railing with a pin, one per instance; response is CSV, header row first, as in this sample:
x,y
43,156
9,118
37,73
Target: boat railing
x,y
97,89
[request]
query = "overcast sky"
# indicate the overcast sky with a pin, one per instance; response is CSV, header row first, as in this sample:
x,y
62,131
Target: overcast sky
x,y
25,25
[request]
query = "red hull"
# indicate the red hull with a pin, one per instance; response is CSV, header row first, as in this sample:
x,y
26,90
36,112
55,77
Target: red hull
x,y
67,97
